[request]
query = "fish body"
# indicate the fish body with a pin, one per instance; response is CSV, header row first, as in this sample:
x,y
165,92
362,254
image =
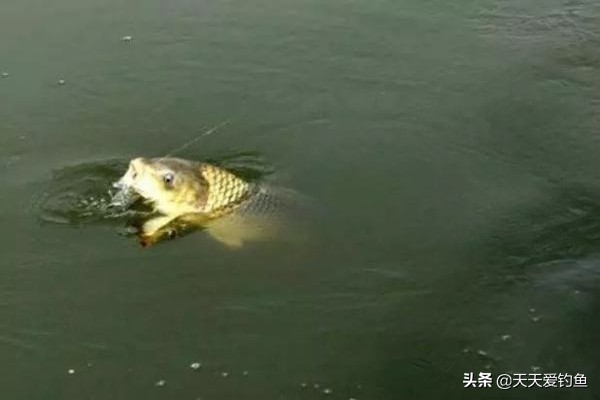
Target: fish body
x,y
204,196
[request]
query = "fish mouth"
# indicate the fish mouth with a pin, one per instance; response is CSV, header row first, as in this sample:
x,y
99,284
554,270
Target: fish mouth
x,y
127,194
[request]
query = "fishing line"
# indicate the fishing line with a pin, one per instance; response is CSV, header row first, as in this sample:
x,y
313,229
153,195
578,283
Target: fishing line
x,y
198,137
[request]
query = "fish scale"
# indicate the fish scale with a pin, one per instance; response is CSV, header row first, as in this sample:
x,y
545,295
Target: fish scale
x,y
226,191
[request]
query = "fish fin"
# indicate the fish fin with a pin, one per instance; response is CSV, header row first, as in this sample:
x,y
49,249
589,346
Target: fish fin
x,y
234,230
154,225
229,238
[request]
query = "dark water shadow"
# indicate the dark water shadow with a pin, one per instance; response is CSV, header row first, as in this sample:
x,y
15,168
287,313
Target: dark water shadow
x,y
563,227
527,303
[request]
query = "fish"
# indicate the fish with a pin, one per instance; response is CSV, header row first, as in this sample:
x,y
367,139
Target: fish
x,y
186,195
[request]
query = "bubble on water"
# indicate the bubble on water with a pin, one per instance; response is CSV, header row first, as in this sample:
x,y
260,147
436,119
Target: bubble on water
x,y
161,383
327,391
482,353
532,310
61,82
535,368
316,386
126,38
4,74
195,365
224,374
245,373
304,385
535,319
71,371
506,337
466,350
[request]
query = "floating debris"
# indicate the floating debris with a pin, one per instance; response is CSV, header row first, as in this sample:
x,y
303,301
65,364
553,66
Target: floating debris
x,y
161,383
61,82
126,38
482,353
195,366
327,391
506,337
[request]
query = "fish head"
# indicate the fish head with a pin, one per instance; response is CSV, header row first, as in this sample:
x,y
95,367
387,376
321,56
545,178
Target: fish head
x,y
173,186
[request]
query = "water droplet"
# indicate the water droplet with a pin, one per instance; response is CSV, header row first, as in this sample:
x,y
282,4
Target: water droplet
x,y
161,383
195,365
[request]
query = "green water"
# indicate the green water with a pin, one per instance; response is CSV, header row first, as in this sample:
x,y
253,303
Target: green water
x,y
452,146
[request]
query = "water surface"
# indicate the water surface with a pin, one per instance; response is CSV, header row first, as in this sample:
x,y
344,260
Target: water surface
x,y
454,147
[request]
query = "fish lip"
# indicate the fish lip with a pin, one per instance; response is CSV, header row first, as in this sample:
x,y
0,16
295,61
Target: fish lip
x,y
120,185
125,187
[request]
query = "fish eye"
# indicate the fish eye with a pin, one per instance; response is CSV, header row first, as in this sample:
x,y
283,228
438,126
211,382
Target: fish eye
x,y
168,178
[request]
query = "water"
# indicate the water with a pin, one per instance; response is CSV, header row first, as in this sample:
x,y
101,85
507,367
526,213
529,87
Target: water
x,y
453,145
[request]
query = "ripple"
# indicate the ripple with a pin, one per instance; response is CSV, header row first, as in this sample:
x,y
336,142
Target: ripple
x,y
82,194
